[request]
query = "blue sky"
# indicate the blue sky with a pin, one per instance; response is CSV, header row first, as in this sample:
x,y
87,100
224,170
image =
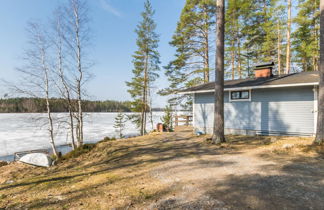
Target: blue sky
x,y
112,22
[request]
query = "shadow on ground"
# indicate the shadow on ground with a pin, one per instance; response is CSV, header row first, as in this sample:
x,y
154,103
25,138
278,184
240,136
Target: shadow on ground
x,y
292,183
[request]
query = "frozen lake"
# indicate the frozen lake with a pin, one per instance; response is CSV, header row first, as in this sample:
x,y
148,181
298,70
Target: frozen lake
x,y
21,132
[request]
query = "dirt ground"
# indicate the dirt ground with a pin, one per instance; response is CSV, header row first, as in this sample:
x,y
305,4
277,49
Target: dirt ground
x,y
175,171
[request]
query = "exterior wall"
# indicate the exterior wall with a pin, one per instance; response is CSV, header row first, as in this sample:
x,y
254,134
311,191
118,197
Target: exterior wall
x,y
276,111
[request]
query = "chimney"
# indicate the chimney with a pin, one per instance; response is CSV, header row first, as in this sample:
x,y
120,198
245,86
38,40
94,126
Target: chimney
x,y
263,70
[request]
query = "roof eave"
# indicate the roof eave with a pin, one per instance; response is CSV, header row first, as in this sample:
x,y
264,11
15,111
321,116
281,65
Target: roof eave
x,y
252,87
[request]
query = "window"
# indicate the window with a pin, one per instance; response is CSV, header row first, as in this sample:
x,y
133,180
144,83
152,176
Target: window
x,y
244,95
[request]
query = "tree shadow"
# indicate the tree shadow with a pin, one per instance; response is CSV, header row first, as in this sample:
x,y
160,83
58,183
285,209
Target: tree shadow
x,y
297,184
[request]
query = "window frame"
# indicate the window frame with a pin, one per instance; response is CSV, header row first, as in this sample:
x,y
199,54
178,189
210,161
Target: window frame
x,y
239,99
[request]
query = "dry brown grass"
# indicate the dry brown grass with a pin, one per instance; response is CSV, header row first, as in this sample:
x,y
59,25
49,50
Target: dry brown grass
x,y
156,171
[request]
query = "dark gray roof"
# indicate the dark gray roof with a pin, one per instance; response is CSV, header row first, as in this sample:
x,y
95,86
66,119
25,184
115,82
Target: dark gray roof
x,y
262,65
290,79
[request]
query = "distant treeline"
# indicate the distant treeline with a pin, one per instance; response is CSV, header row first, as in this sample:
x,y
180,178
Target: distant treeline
x,y
38,105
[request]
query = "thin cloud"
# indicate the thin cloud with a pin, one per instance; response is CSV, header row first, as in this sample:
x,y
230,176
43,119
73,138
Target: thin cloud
x,y
109,8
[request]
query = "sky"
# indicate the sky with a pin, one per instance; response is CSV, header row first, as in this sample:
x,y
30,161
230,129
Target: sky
x,y
113,40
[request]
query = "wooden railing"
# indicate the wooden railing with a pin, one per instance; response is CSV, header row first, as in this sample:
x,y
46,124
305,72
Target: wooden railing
x,y
186,119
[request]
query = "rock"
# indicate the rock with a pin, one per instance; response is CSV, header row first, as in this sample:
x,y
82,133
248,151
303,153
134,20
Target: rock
x,y
10,182
3,163
37,159
287,146
273,139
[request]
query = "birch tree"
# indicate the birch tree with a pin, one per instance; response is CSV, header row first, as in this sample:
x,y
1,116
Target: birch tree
x,y
63,82
77,40
36,76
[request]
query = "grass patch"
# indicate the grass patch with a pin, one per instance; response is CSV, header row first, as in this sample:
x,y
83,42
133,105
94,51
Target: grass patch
x,y
106,139
78,151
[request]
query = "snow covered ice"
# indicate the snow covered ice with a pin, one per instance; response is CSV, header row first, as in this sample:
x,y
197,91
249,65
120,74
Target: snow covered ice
x,y
21,132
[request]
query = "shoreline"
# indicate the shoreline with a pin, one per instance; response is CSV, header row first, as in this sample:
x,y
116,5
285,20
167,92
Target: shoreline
x,y
64,149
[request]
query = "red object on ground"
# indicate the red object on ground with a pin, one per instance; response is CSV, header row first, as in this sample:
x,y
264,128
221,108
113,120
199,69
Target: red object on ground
x,y
159,127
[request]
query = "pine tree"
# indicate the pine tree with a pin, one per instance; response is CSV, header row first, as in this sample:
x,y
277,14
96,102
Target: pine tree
x,y
259,30
193,40
288,55
235,54
218,131
146,64
306,36
119,125
252,35
320,120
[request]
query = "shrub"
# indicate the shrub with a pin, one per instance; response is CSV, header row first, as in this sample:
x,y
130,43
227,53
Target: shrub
x,y
78,151
106,139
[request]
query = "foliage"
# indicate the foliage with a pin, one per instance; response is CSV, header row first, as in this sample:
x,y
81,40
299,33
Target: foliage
x,y
37,105
306,36
135,119
146,64
106,139
119,125
192,40
167,118
85,148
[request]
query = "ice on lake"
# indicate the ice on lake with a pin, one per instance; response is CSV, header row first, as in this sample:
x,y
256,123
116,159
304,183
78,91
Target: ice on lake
x,y
22,132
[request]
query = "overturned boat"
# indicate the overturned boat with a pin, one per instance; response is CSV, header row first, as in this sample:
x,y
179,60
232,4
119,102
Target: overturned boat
x,y
37,159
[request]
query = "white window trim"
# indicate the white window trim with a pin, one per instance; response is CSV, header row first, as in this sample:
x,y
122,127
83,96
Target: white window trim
x,y
237,100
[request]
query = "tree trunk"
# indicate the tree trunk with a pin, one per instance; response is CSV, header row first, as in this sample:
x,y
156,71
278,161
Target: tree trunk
x,y
320,119
49,115
233,60
238,40
218,134
145,86
288,56
61,74
206,53
239,58
279,49
80,77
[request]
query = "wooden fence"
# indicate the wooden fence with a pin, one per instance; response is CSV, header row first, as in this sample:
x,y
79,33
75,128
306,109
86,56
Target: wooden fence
x,y
186,119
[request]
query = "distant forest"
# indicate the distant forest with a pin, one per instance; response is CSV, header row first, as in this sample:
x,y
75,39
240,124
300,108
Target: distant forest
x,y
38,105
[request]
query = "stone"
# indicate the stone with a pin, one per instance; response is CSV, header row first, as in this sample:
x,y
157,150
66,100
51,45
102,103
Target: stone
x,y
37,159
287,146
10,182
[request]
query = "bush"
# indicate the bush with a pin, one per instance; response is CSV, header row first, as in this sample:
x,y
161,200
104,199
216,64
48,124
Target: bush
x,y
78,151
106,139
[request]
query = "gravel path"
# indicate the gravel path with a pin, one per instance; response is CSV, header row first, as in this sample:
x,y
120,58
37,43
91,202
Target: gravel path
x,y
239,177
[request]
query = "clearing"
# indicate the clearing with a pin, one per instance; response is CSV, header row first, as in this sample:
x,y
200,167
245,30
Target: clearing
x,y
174,171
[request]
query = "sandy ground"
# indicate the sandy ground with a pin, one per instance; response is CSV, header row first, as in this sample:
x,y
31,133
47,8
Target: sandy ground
x,y
175,171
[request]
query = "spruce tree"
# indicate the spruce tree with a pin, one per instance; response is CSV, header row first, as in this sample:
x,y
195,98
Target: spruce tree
x,y
119,125
146,60
167,118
